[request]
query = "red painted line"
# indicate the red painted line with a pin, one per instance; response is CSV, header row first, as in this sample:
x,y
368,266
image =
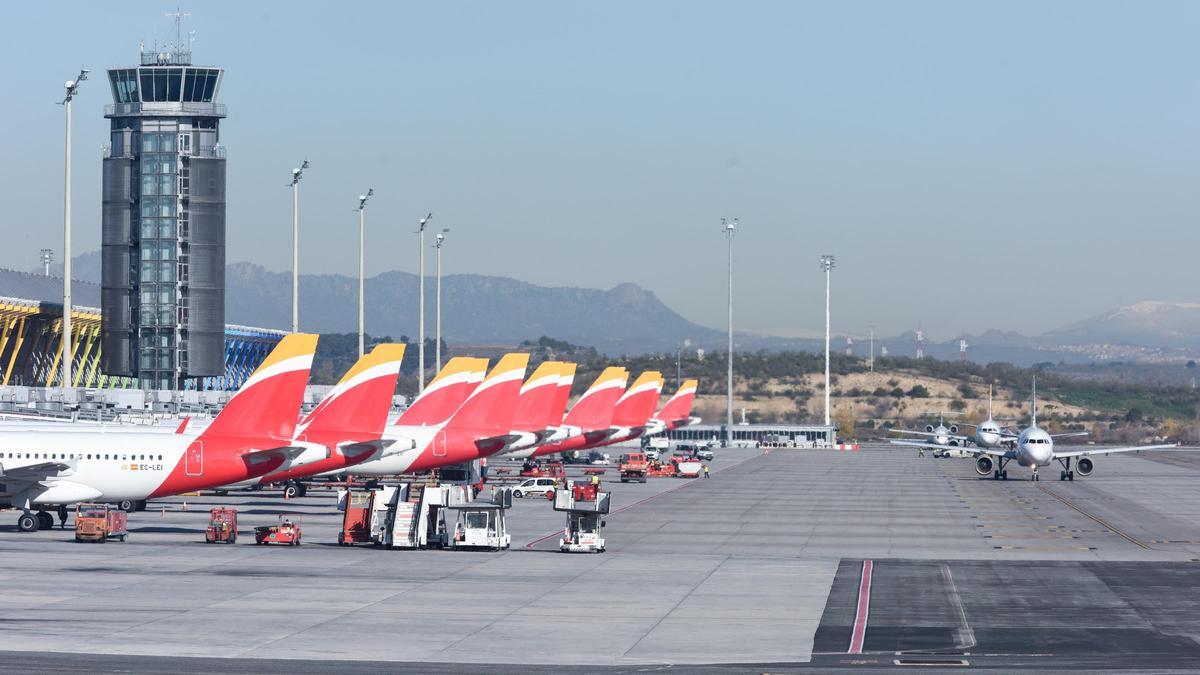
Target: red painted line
x,y
685,483
864,610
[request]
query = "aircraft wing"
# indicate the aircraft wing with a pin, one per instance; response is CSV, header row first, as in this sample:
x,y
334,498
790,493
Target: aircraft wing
x,y
1109,451
995,452
1072,433
32,473
915,433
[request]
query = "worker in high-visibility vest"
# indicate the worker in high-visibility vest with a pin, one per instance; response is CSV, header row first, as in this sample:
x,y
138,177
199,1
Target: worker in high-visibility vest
x,y
595,480
706,471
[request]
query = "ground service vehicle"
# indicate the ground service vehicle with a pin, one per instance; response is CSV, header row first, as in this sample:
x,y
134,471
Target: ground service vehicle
x,y
482,524
535,470
222,526
100,522
286,532
633,467
686,467
585,505
536,486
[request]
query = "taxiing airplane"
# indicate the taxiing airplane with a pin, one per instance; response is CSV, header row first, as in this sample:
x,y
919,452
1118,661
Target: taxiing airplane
x,y
1035,449
250,437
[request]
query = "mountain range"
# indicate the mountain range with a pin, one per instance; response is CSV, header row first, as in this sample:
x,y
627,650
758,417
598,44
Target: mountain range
x,y
627,318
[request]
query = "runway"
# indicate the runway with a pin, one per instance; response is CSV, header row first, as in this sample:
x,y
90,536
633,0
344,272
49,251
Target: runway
x,y
759,567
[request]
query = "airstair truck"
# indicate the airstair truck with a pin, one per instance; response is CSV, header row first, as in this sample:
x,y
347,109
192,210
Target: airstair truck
x,y
585,505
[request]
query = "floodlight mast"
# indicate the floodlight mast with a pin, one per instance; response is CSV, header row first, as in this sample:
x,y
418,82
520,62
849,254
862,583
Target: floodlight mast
x,y
827,265
297,174
47,257
437,331
66,348
421,301
730,227
362,206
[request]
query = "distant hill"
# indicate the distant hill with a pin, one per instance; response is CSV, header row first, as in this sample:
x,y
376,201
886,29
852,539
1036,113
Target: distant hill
x,y
475,309
1167,325
624,319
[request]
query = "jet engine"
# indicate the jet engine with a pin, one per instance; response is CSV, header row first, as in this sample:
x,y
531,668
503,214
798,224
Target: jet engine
x,y
954,428
984,465
929,428
1084,466
954,443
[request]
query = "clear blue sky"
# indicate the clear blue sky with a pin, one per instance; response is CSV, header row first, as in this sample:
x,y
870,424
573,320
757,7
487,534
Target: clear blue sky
x,y
1015,165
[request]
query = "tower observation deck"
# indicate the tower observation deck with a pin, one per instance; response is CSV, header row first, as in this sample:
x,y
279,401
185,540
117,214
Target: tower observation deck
x,y
163,222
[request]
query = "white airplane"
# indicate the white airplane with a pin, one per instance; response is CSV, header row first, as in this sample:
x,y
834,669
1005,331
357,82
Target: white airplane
x,y
941,437
1035,448
250,437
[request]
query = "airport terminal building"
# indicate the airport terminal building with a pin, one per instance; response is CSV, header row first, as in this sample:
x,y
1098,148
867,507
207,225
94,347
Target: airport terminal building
x,y
759,435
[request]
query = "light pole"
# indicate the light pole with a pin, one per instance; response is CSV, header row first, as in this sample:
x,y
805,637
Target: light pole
x,y
362,205
47,258
678,361
871,363
65,347
437,330
296,175
421,302
730,230
827,265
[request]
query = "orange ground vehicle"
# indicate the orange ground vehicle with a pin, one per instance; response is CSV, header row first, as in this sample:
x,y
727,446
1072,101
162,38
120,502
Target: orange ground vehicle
x,y
633,467
286,532
100,522
535,470
222,526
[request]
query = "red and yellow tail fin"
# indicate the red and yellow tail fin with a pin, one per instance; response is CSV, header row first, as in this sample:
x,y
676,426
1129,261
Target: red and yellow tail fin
x,y
566,378
594,410
637,404
357,407
490,408
677,410
446,393
268,403
537,398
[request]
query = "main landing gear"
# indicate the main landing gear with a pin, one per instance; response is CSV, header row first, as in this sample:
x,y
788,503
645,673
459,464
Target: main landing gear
x,y
1000,473
32,522
1066,473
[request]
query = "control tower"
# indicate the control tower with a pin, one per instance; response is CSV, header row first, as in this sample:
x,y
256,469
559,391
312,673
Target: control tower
x,y
163,238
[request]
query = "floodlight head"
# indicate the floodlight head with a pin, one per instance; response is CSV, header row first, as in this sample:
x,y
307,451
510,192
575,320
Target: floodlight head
x,y
304,165
69,84
424,221
827,262
362,198
295,172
